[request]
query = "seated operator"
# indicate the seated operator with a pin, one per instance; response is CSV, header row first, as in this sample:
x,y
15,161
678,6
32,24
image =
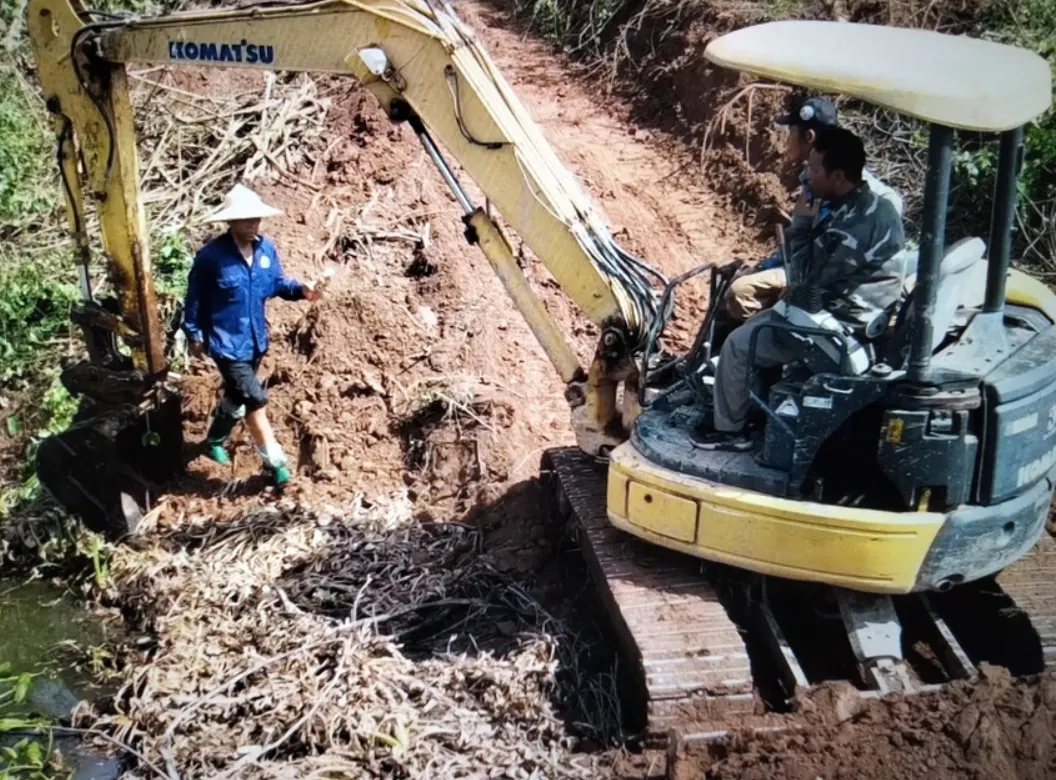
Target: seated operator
x,y
852,259
760,289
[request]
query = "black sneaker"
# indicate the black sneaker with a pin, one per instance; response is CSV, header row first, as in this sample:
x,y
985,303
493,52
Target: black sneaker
x,y
721,440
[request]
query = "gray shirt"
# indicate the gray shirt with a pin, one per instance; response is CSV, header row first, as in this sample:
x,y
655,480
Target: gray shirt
x,y
853,257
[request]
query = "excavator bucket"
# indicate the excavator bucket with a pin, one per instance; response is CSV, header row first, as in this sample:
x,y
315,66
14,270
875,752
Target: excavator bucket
x,y
107,468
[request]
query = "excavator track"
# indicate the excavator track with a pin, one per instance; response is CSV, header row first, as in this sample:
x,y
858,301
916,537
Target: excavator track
x,y
691,662
1031,583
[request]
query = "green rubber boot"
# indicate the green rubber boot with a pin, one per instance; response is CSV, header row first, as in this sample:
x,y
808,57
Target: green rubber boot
x,y
217,453
281,475
219,430
275,464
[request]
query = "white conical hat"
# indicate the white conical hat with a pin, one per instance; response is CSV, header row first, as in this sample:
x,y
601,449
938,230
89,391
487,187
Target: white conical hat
x,y
242,203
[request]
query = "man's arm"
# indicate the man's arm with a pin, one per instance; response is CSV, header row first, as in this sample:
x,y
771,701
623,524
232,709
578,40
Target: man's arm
x,y
196,304
799,239
282,286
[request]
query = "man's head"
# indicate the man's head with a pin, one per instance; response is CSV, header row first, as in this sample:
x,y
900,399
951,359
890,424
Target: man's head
x,y
805,119
836,163
245,231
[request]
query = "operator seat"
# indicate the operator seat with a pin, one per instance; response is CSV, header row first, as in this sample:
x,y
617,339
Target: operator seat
x,y
961,288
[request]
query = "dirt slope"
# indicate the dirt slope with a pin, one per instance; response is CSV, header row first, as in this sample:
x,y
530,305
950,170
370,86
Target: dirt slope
x,y
995,728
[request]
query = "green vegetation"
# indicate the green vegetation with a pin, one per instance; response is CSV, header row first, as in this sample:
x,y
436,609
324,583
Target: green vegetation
x,y
55,412
28,758
34,310
24,151
37,281
1032,24
172,263
13,688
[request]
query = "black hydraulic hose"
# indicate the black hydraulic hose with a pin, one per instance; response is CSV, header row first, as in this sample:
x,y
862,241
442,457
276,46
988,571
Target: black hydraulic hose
x,y
65,137
659,323
96,100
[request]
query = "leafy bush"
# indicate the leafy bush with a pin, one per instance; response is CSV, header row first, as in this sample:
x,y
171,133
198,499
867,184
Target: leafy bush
x,y
172,263
23,152
34,309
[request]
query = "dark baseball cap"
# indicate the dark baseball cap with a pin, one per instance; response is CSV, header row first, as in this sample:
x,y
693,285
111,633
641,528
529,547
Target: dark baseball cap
x,y
813,112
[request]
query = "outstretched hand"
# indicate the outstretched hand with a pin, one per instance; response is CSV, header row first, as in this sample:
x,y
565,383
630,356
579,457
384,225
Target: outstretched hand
x,y
314,290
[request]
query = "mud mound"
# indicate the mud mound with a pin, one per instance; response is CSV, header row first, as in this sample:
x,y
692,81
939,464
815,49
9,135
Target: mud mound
x,y
997,727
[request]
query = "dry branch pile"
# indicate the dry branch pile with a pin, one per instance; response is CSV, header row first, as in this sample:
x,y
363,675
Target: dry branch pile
x,y
196,146
354,644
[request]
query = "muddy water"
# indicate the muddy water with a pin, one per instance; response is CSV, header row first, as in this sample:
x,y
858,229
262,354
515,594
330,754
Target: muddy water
x,y
42,632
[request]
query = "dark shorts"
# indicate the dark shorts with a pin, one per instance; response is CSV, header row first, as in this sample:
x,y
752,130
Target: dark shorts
x,y
241,385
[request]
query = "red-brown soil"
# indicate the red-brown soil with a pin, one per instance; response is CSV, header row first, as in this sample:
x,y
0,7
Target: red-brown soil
x,y
995,728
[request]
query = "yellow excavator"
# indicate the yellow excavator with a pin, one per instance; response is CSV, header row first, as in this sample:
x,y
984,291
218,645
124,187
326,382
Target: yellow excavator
x,y
915,459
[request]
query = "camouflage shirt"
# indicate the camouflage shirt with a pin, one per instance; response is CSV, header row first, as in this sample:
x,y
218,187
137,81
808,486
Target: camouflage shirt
x,y
853,256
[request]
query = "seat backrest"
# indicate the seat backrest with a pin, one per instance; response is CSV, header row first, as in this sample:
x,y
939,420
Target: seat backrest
x,y
959,278
958,269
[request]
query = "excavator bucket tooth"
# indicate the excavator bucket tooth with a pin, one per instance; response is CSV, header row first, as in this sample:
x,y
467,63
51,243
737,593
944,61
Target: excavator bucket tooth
x,y
105,469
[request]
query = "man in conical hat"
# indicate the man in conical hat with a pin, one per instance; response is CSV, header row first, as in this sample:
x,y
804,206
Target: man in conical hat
x,y
232,278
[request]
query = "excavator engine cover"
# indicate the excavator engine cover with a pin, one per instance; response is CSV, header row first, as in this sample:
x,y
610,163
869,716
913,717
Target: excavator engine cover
x,y
107,467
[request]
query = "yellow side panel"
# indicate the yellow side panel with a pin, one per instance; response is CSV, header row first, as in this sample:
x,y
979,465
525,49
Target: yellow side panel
x,y
616,493
665,514
863,549
1024,290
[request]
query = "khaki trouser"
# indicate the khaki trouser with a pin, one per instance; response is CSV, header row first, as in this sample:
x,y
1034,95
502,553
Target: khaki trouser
x,y
749,295
731,379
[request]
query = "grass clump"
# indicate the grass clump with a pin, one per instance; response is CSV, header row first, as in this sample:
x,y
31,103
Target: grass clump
x,y
34,309
23,153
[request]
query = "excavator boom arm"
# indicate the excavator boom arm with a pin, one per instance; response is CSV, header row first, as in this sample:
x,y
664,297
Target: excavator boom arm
x,y
422,64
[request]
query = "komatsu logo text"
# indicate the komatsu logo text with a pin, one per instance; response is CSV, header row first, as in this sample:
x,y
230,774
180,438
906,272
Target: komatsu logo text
x,y
243,51
1036,469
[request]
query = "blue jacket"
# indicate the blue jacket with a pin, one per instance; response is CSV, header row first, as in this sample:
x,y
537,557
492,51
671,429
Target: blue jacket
x,y
226,297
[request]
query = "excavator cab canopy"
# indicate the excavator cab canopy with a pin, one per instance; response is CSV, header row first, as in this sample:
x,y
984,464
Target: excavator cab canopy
x,y
954,81
950,82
